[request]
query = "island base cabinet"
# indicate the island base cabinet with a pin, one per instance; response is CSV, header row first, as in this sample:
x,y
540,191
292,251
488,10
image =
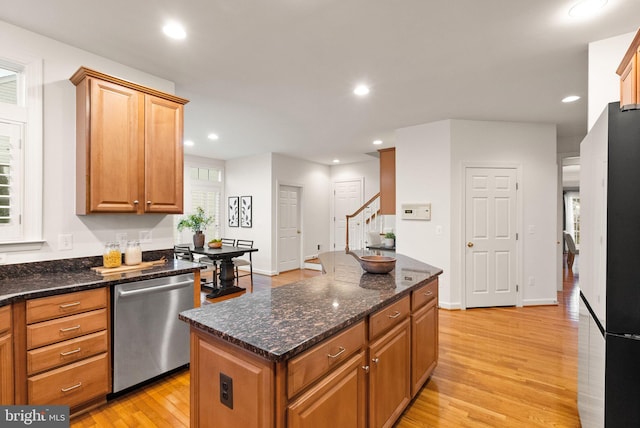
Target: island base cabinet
x,y
389,387
424,348
338,400
248,379
6,357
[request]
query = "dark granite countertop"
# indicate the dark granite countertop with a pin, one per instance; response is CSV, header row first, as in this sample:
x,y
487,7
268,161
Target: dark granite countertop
x,y
40,279
282,322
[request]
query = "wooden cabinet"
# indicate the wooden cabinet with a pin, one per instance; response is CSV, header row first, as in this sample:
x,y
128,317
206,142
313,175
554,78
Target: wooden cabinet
x,y
630,76
390,361
387,181
251,385
67,359
424,334
129,153
6,356
338,400
363,376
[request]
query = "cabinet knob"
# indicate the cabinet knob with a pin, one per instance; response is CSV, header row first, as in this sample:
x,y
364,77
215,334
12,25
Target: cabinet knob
x,y
469,244
136,202
148,202
375,360
366,369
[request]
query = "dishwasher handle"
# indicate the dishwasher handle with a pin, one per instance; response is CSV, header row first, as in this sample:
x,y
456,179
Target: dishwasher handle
x,y
154,289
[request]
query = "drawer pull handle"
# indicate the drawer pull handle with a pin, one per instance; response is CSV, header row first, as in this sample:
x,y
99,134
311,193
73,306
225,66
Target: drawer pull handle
x,y
78,385
340,352
428,293
68,305
75,351
64,330
396,314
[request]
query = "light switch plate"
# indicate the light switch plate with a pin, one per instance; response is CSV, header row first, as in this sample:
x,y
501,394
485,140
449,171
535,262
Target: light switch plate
x,y
65,242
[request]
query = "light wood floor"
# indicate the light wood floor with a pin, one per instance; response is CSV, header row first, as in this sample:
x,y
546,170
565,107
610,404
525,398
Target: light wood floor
x,y
498,367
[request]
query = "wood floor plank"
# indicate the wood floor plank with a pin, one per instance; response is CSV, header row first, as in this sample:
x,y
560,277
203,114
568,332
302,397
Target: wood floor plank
x,y
498,367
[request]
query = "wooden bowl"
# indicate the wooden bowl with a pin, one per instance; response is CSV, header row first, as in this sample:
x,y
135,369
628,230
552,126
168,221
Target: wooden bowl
x,y
377,264
215,244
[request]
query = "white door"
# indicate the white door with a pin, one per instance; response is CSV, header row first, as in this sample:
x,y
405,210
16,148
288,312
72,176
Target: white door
x,y
288,228
347,198
490,231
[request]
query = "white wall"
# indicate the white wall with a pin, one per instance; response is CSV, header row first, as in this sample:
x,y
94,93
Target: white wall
x,y
60,61
433,158
369,171
604,84
251,176
424,153
314,180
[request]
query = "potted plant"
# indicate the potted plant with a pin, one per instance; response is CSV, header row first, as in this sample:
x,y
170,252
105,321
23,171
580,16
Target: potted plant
x,y
389,239
197,222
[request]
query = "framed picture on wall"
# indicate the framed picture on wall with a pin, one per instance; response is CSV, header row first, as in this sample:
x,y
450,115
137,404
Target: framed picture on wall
x,y
234,211
245,211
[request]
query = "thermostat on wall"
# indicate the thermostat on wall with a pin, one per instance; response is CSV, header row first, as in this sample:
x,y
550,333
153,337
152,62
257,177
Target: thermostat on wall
x,y
416,211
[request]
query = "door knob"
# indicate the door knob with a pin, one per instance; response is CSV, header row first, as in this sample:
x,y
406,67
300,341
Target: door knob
x,y
469,244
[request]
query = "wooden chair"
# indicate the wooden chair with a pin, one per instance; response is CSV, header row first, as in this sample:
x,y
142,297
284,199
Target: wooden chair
x,y
229,242
242,261
571,248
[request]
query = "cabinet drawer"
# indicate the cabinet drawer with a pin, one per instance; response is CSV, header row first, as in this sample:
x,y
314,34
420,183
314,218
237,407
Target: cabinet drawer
x,y
388,317
69,351
319,360
72,384
5,319
47,308
424,294
48,332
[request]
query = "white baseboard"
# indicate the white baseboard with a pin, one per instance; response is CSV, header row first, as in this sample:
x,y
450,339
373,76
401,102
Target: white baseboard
x,y
539,302
313,266
449,305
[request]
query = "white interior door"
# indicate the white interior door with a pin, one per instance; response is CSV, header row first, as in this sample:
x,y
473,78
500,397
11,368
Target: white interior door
x,y
490,231
347,198
288,228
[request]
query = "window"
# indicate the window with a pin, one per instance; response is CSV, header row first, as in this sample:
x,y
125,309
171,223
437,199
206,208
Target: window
x,y
20,152
203,188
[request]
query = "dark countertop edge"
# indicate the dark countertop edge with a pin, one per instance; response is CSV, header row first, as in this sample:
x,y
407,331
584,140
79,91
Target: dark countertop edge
x,y
16,297
274,357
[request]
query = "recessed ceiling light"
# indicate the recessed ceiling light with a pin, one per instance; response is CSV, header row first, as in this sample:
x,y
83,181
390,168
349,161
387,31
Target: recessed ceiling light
x,y
188,143
213,137
174,30
585,8
361,90
336,161
570,99
377,142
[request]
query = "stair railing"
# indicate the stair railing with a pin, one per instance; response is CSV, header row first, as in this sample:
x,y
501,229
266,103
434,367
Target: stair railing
x,y
371,220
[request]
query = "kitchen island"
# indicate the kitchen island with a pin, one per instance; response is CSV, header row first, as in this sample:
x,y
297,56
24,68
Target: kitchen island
x,y
347,348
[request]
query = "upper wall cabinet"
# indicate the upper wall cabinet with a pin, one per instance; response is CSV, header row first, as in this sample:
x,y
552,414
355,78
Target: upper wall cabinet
x,y
630,76
387,181
129,153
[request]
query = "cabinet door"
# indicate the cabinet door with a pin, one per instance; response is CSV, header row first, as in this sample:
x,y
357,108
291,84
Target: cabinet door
x,y
116,148
388,181
336,401
6,370
389,382
424,345
163,156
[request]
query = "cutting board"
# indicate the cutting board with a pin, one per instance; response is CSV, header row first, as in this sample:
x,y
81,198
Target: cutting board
x,y
144,265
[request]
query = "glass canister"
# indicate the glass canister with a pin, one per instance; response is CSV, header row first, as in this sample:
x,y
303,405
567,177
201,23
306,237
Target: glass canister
x,y
111,257
133,253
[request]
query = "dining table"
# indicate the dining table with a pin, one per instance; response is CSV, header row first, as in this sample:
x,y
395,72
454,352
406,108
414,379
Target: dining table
x,y
225,256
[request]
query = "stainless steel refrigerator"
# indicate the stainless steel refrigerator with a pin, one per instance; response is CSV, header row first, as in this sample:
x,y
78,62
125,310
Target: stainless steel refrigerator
x,y
609,332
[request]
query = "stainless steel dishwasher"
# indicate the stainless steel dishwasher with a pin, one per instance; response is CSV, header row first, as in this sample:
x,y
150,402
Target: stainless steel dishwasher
x,y
148,338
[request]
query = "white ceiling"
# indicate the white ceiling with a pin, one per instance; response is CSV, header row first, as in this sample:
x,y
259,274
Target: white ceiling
x,y
277,75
